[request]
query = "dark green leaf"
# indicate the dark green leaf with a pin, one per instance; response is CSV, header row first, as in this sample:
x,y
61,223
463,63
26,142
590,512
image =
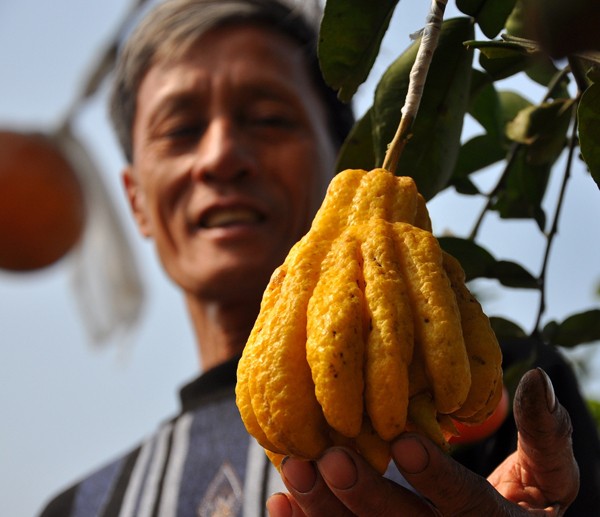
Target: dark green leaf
x,y
516,24
357,150
594,407
430,154
505,62
475,154
475,260
500,48
480,263
470,7
492,17
506,329
485,108
543,129
543,71
523,190
589,129
575,330
511,104
349,41
511,274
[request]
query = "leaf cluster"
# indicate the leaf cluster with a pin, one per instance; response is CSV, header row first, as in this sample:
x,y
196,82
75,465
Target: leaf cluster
x,y
550,43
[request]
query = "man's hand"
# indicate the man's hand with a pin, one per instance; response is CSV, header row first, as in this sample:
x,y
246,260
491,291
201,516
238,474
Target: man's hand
x,y
540,478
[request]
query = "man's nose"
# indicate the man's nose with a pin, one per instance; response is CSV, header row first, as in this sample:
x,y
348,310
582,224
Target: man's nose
x,y
221,153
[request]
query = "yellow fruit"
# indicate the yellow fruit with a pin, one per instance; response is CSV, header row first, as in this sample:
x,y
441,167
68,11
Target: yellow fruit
x,y
335,340
365,331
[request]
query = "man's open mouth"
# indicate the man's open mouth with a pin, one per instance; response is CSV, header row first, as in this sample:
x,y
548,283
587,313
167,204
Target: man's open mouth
x,y
223,217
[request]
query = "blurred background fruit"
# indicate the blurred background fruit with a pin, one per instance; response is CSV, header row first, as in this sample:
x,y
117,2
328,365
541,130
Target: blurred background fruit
x,y
42,205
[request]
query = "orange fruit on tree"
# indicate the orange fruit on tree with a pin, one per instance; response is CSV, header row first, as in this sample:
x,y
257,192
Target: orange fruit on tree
x,y
42,206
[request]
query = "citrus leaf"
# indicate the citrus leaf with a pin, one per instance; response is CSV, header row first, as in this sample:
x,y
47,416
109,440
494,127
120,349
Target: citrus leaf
x,y
504,328
588,114
577,329
349,41
470,7
480,263
477,153
485,107
523,190
511,104
492,17
475,260
511,274
543,128
357,150
430,154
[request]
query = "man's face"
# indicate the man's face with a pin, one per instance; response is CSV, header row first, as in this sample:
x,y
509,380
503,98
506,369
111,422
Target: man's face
x,y
232,158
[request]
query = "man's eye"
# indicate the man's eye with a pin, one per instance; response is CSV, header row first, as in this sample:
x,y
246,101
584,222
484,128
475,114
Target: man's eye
x,y
272,121
185,131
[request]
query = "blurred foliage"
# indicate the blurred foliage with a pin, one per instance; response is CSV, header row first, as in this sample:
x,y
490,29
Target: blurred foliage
x,y
551,43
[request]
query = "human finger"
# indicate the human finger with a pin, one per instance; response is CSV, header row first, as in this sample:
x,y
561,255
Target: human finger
x,y
449,486
310,494
549,474
342,483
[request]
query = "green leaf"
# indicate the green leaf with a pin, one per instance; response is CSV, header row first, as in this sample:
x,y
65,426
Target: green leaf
x,y
504,328
588,114
511,274
357,150
475,260
543,129
485,107
511,104
503,60
349,41
431,152
490,15
575,330
480,263
470,7
523,190
477,153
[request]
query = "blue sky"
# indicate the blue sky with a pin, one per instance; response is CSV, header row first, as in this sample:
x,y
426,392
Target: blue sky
x,y
69,404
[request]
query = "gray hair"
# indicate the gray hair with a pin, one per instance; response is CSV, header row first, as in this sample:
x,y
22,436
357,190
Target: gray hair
x,y
173,26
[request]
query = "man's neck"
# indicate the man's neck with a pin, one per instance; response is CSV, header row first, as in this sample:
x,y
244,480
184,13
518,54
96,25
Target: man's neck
x,y
221,330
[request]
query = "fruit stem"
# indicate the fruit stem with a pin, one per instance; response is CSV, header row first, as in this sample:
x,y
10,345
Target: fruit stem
x,y
418,75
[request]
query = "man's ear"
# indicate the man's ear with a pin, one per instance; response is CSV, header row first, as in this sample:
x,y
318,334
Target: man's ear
x,y
137,201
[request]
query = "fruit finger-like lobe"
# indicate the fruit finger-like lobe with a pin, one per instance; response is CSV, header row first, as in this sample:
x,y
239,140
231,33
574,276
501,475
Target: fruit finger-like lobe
x,y
389,345
422,416
436,317
250,359
422,219
335,340
375,197
485,356
486,411
333,214
404,200
372,447
275,458
281,387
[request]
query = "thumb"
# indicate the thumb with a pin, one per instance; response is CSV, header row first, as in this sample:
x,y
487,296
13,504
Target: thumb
x,y
449,486
544,446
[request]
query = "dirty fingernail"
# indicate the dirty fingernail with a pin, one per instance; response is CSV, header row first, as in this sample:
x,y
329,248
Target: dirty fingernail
x,y
300,474
550,395
410,454
338,469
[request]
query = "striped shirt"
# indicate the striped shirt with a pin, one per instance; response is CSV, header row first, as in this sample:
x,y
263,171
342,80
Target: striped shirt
x,y
200,463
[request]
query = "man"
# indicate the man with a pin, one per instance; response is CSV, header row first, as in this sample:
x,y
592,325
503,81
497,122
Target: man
x,y
230,138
